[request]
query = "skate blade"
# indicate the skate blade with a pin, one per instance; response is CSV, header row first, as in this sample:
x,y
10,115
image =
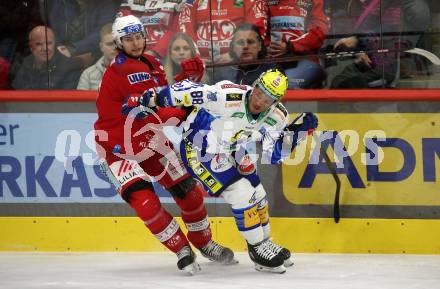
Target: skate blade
x,y
192,269
288,263
279,270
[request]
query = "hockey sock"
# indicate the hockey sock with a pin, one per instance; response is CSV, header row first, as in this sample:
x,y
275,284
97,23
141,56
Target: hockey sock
x,y
158,220
263,210
195,217
263,213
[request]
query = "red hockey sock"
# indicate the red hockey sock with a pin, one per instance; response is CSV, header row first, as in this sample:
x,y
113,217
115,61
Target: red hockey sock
x,y
195,217
158,220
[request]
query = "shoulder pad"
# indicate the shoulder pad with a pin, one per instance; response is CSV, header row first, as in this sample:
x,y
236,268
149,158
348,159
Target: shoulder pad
x,y
226,84
282,108
124,65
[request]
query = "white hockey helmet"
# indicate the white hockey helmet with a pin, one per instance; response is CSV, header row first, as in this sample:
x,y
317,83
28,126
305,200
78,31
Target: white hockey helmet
x,y
126,25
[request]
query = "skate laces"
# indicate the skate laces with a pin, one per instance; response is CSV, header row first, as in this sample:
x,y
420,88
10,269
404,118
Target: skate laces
x,y
265,250
212,249
273,246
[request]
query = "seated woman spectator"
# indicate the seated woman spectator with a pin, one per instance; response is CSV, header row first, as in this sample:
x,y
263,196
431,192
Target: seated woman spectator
x,y
46,68
246,45
91,77
181,47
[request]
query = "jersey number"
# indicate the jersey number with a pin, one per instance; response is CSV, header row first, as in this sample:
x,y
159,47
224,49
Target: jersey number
x,y
197,97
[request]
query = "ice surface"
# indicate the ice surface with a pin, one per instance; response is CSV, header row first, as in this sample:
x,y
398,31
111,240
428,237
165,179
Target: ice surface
x,y
159,271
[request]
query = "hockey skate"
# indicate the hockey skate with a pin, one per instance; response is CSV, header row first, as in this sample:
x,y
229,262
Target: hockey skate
x,y
217,253
284,252
265,259
187,261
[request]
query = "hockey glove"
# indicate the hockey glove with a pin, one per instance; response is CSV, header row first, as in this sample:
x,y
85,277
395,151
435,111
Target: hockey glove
x,y
309,123
192,69
142,99
146,99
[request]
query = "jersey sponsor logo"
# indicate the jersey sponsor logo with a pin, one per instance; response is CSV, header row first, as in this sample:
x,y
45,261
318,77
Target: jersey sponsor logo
x,y
238,114
233,104
221,30
138,77
270,121
234,96
251,217
246,166
220,163
212,95
232,85
150,20
174,172
287,23
126,171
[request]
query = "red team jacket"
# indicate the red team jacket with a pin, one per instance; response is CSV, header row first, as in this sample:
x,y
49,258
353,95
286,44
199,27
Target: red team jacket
x,y
196,15
126,77
301,23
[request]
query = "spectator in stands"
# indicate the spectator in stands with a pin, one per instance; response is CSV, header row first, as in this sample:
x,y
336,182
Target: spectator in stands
x,y
181,47
91,77
17,19
4,73
370,20
211,25
77,23
46,68
298,29
246,45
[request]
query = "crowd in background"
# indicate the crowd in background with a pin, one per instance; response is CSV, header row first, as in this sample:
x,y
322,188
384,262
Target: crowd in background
x,y
67,44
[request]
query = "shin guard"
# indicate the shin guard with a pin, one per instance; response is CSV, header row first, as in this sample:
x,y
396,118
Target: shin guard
x,y
241,196
158,220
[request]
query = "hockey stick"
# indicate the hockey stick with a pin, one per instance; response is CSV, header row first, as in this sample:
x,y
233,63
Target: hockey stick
x,y
434,59
332,169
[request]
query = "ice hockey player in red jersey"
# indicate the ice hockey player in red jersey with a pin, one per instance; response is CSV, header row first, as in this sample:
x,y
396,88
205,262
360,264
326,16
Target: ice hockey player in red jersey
x,y
134,151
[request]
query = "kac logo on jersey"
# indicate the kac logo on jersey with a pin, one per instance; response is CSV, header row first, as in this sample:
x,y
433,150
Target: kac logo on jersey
x,y
138,77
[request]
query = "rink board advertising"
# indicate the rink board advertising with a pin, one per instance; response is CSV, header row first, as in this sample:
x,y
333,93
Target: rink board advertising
x,y
382,159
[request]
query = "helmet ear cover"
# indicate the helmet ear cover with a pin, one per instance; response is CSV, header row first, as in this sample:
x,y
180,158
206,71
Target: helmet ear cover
x,y
273,82
124,26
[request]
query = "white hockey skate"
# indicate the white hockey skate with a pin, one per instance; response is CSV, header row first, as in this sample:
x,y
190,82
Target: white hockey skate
x,y
284,252
217,253
187,261
265,259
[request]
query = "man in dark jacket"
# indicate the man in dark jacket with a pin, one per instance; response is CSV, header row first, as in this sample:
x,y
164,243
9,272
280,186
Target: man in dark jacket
x,y
46,68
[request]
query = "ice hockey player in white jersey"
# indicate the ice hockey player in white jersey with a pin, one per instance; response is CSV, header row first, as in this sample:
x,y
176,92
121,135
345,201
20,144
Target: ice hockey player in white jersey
x,y
226,117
